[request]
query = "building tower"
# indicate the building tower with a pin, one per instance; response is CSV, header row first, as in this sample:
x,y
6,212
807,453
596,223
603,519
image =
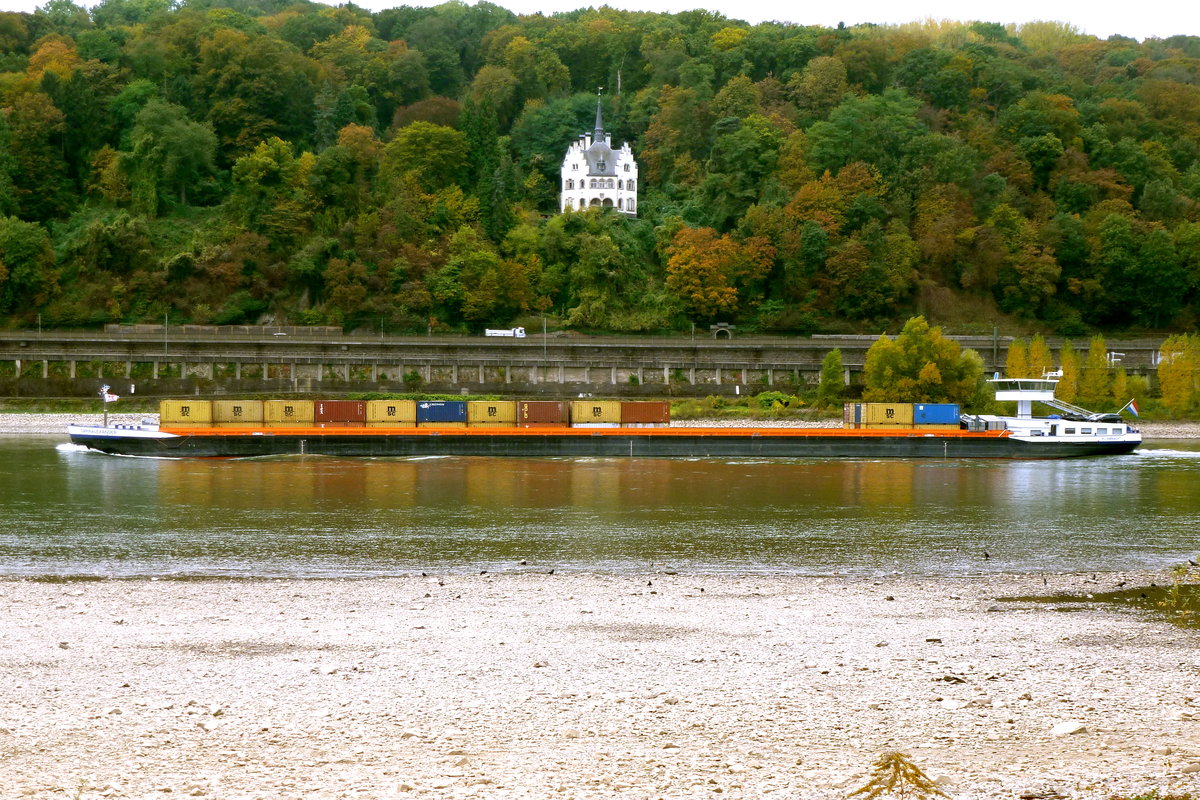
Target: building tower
x,y
593,174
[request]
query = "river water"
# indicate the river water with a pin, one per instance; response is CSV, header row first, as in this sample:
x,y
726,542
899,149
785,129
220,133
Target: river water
x,y
71,513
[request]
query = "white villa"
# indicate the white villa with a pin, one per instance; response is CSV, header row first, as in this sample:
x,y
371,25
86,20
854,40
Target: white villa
x,y
593,174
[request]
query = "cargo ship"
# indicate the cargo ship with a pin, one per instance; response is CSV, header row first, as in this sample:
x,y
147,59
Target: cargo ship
x,y
604,428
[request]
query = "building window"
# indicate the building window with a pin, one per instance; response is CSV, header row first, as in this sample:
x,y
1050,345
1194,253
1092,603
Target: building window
x,y
574,166
620,204
629,186
627,168
593,183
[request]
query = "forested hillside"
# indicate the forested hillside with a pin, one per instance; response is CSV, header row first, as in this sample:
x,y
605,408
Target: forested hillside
x,y
260,160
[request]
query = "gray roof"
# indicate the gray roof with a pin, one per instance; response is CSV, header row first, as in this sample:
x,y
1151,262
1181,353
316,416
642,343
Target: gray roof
x,y
600,157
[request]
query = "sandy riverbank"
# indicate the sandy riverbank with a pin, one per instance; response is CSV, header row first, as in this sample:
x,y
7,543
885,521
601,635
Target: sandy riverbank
x,y
528,685
57,423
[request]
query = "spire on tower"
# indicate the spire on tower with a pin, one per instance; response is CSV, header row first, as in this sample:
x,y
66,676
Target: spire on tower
x,y
598,133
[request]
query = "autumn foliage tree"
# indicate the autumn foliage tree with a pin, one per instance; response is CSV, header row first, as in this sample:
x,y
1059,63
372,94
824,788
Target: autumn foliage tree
x,y
1179,373
921,366
711,273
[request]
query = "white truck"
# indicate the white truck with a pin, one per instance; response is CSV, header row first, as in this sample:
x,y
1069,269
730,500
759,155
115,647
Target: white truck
x,y
517,332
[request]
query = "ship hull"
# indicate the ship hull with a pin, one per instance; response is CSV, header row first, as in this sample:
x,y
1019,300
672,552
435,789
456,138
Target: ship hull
x,y
601,443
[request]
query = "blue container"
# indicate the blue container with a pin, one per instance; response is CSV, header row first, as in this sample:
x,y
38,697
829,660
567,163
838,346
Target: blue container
x,y
442,411
936,413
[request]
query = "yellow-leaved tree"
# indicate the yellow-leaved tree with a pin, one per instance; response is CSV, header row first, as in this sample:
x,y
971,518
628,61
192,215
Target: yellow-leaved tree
x,y
1016,362
1068,385
1041,360
1096,382
921,366
1179,373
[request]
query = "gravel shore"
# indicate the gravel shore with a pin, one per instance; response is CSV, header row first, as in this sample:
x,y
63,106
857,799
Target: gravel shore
x,y
57,423
530,685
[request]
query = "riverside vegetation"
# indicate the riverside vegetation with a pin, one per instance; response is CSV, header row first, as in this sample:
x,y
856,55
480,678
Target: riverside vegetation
x,y
920,365
221,162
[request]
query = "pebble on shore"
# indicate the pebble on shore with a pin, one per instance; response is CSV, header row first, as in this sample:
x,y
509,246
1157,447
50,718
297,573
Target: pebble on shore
x,y
519,684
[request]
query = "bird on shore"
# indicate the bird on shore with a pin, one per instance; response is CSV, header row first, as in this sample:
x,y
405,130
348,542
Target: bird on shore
x,y
986,555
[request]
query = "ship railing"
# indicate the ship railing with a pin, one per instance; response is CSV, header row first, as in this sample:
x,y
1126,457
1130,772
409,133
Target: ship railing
x,y
1063,405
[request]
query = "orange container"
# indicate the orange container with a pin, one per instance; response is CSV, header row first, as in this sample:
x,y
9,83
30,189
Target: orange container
x,y
539,413
654,412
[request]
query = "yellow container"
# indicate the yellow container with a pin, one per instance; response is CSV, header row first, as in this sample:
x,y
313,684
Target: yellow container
x,y
887,414
237,413
391,413
288,413
492,413
185,413
589,411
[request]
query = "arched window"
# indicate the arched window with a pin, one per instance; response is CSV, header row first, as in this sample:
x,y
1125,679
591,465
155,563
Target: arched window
x,y
593,183
608,202
595,201
570,184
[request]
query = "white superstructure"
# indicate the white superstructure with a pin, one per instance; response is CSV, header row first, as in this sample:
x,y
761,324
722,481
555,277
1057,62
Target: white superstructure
x,y
596,175
1075,424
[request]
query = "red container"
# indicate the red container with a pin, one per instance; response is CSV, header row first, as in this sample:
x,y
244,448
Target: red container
x,y
343,412
554,412
656,412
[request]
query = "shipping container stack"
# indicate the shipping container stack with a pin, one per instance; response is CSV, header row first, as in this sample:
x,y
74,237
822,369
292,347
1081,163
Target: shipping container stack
x,y
543,414
237,413
340,413
442,414
885,416
289,413
645,414
491,413
391,413
412,413
185,414
596,414
937,416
